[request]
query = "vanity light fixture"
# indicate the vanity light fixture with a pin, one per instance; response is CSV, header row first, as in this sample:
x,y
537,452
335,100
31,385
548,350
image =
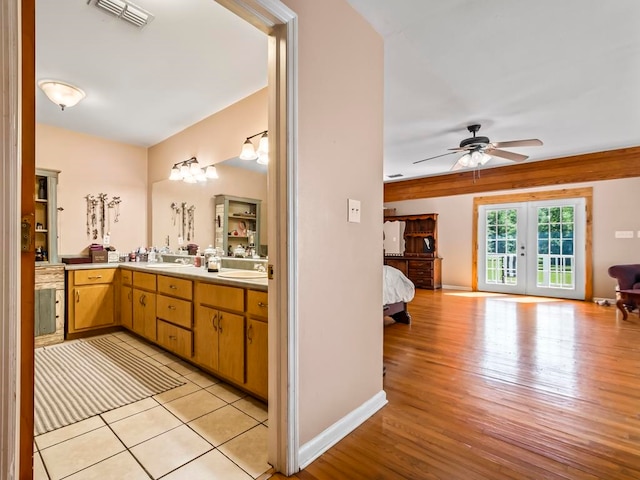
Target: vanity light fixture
x,y
61,93
250,153
190,171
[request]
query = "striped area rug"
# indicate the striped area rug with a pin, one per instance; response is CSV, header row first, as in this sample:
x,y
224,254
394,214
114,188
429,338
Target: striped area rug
x,y
84,378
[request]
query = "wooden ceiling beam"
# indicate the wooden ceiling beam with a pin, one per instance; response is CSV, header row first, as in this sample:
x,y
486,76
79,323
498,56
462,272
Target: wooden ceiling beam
x,y
608,165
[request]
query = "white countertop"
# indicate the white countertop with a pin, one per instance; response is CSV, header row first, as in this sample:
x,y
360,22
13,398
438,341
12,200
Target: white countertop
x,y
191,273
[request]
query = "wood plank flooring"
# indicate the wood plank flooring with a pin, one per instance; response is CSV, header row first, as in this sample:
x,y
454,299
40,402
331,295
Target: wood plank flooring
x,y
501,387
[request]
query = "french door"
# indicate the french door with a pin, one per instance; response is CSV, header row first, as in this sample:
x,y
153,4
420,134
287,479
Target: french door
x,y
533,248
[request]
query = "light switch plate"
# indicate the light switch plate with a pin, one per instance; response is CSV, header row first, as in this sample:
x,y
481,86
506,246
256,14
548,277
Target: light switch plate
x,y
353,214
624,234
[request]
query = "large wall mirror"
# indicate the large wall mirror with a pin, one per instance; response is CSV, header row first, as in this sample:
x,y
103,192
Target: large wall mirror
x,y
237,177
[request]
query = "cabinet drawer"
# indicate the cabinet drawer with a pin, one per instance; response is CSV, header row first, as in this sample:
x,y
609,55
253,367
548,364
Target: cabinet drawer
x,y
126,277
146,281
98,275
176,287
230,298
423,282
174,310
176,339
421,265
257,303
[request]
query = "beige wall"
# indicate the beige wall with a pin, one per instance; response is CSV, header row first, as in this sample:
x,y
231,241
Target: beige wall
x,y
612,201
215,139
93,165
339,264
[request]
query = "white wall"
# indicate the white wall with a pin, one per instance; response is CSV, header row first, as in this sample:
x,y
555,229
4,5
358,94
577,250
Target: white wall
x,y
613,209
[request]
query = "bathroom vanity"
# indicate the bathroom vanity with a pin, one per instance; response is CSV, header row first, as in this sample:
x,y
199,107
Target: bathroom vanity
x,y
215,322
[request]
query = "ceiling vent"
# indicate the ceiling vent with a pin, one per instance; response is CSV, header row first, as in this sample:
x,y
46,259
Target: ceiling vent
x,y
395,175
127,11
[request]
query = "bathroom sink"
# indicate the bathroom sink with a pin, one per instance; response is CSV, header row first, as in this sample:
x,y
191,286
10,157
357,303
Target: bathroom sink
x,y
242,274
167,265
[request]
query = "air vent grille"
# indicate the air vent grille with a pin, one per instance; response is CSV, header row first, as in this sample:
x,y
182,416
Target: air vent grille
x,y
125,10
395,175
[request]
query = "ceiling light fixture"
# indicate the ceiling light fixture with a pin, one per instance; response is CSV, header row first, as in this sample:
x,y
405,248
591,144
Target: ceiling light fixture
x,y
125,10
250,153
474,159
62,94
190,171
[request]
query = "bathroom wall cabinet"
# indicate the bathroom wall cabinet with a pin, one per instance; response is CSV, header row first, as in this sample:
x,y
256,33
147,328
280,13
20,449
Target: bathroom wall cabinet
x,y
46,215
237,222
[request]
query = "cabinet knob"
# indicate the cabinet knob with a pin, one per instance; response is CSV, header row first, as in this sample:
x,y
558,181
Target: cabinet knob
x,y
173,287
172,337
263,305
171,307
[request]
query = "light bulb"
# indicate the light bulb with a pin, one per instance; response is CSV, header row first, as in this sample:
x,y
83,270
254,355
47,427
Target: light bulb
x,y
211,172
263,146
184,171
263,158
476,156
194,168
248,151
175,174
464,160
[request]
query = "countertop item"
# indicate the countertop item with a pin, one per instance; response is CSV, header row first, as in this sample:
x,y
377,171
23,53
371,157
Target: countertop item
x,y
182,271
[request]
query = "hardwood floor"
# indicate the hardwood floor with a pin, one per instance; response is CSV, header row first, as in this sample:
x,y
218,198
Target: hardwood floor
x,y
501,387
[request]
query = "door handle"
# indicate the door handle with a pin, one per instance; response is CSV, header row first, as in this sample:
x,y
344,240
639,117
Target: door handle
x,y
250,334
171,307
77,296
213,322
220,323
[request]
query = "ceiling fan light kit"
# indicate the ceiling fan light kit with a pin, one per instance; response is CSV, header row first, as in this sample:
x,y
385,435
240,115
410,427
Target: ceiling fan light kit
x,y
478,150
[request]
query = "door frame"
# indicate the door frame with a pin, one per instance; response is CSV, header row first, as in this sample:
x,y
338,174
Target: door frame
x,y
584,192
18,51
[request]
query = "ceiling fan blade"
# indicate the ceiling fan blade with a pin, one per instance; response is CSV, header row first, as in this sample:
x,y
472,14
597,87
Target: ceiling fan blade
x,y
516,157
456,166
462,149
532,142
431,158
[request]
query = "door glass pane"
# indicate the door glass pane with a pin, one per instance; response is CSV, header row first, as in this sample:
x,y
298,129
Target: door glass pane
x,y
556,239
501,246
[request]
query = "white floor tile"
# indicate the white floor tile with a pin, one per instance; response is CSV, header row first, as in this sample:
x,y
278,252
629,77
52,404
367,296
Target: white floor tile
x,y
65,433
128,410
165,453
80,452
226,392
223,424
201,379
252,407
39,473
182,368
211,466
194,405
249,451
121,467
181,391
145,425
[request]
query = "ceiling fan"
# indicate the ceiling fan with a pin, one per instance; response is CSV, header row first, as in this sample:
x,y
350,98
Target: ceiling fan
x,y
479,150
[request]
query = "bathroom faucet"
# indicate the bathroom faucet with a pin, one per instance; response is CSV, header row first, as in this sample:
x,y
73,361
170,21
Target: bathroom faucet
x,y
183,261
259,267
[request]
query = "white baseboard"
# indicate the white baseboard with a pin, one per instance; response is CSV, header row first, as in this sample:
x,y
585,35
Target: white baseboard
x,y
456,287
336,432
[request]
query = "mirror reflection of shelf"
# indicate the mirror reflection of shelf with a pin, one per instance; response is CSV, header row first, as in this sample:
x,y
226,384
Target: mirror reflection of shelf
x,y
46,214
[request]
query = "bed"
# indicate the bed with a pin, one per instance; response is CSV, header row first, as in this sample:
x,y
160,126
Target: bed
x,y
397,292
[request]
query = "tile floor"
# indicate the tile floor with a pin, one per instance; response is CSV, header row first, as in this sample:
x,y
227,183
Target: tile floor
x,y
204,429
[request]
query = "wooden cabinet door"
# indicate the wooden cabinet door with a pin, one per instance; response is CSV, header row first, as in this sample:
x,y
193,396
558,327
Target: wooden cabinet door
x,y
93,306
231,345
257,357
144,313
206,337
126,307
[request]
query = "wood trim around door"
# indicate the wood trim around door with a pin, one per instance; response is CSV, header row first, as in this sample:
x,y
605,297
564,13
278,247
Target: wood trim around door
x,y
586,193
27,258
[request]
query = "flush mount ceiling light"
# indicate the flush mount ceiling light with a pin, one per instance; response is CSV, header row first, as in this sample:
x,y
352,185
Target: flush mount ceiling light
x,y
124,10
250,153
62,94
190,171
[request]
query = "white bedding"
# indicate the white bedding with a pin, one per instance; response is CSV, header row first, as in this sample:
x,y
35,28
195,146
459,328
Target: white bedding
x,y
397,287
